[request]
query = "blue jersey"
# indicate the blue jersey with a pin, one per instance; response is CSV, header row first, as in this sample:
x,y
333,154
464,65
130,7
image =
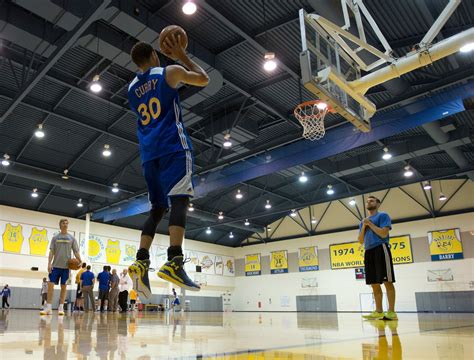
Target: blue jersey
x,y
160,120
371,239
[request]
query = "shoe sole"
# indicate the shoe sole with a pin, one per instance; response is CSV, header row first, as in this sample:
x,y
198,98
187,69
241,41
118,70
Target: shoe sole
x,y
138,284
45,314
176,282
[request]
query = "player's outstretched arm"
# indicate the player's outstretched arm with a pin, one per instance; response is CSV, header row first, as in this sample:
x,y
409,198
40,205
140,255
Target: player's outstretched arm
x,y
191,74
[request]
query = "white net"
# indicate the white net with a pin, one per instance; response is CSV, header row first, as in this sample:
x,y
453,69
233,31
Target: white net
x,y
311,117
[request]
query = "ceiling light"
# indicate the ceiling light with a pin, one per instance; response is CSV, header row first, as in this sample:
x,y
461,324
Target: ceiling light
x,y
191,207
106,152
303,178
408,171
426,185
239,195
231,235
208,231
321,105
221,215
268,205
330,190
115,188
35,193
293,213
65,175
270,62
6,160
95,85
39,133
246,223
269,228
313,220
189,8
352,202
79,203
386,155
466,48
442,197
227,143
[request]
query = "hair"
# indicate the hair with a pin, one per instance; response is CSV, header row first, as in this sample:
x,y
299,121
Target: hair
x,y
376,198
88,267
62,220
44,279
141,53
84,265
105,267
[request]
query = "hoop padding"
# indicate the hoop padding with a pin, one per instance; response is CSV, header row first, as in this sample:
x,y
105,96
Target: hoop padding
x,y
311,117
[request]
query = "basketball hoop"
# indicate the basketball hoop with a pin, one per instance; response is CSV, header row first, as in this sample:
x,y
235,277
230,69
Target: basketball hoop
x,y
311,116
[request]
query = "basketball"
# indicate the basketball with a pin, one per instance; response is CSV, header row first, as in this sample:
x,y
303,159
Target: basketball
x,y
170,31
74,264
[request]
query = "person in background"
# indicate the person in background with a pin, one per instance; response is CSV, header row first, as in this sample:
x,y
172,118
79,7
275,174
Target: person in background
x,y
6,293
60,250
125,285
87,286
79,293
104,287
133,299
175,301
44,292
114,291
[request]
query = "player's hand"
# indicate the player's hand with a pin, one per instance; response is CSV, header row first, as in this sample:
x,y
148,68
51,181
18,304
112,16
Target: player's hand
x,y
366,221
50,268
172,47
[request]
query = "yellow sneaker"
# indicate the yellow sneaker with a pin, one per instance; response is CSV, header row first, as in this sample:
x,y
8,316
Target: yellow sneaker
x,y
374,315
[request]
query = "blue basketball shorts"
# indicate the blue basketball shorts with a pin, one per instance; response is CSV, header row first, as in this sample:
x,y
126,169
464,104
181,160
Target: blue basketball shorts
x,y
167,176
57,274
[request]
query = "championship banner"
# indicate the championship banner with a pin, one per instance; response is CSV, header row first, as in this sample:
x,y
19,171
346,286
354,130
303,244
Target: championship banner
x,y
346,255
400,247
279,262
252,265
445,245
308,259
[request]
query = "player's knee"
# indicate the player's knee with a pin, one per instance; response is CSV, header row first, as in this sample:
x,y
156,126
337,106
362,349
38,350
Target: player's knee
x,y
154,217
179,207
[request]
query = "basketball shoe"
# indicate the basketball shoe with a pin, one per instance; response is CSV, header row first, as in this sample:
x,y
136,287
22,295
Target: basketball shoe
x,y
139,273
173,271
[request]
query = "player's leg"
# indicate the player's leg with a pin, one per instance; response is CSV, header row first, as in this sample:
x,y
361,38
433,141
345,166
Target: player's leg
x,y
62,294
386,264
53,279
176,171
138,271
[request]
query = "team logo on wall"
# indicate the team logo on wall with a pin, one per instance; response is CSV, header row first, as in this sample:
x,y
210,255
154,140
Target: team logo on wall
x,y
206,262
12,238
229,265
130,252
96,248
38,241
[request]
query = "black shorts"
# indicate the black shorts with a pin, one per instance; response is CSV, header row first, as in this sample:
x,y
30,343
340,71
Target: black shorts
x,y
103,295
378,265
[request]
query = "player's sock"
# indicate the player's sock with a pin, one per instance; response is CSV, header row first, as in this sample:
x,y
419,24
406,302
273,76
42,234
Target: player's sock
x,y
143,254
174,251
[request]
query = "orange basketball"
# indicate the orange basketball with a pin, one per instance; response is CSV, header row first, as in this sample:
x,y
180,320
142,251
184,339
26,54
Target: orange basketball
x,y
73,264
170,31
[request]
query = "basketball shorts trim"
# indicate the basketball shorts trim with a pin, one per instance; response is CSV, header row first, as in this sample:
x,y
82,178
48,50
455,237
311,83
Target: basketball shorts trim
x,y
379,265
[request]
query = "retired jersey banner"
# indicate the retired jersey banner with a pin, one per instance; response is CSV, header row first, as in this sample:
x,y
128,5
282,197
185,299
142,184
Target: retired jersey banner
x,y
400,247
445,245
346,255
308,259
279,262
252,265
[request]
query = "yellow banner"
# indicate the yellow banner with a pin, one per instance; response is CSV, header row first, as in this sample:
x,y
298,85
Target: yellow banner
x,y
279,262
445,245
400,247
308,259
252,265
347,255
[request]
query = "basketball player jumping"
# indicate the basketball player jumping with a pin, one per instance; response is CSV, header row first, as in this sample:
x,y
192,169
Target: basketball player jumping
x,y
166,155
378,258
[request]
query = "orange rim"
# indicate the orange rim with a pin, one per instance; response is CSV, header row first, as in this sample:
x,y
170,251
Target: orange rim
x,y
315,102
